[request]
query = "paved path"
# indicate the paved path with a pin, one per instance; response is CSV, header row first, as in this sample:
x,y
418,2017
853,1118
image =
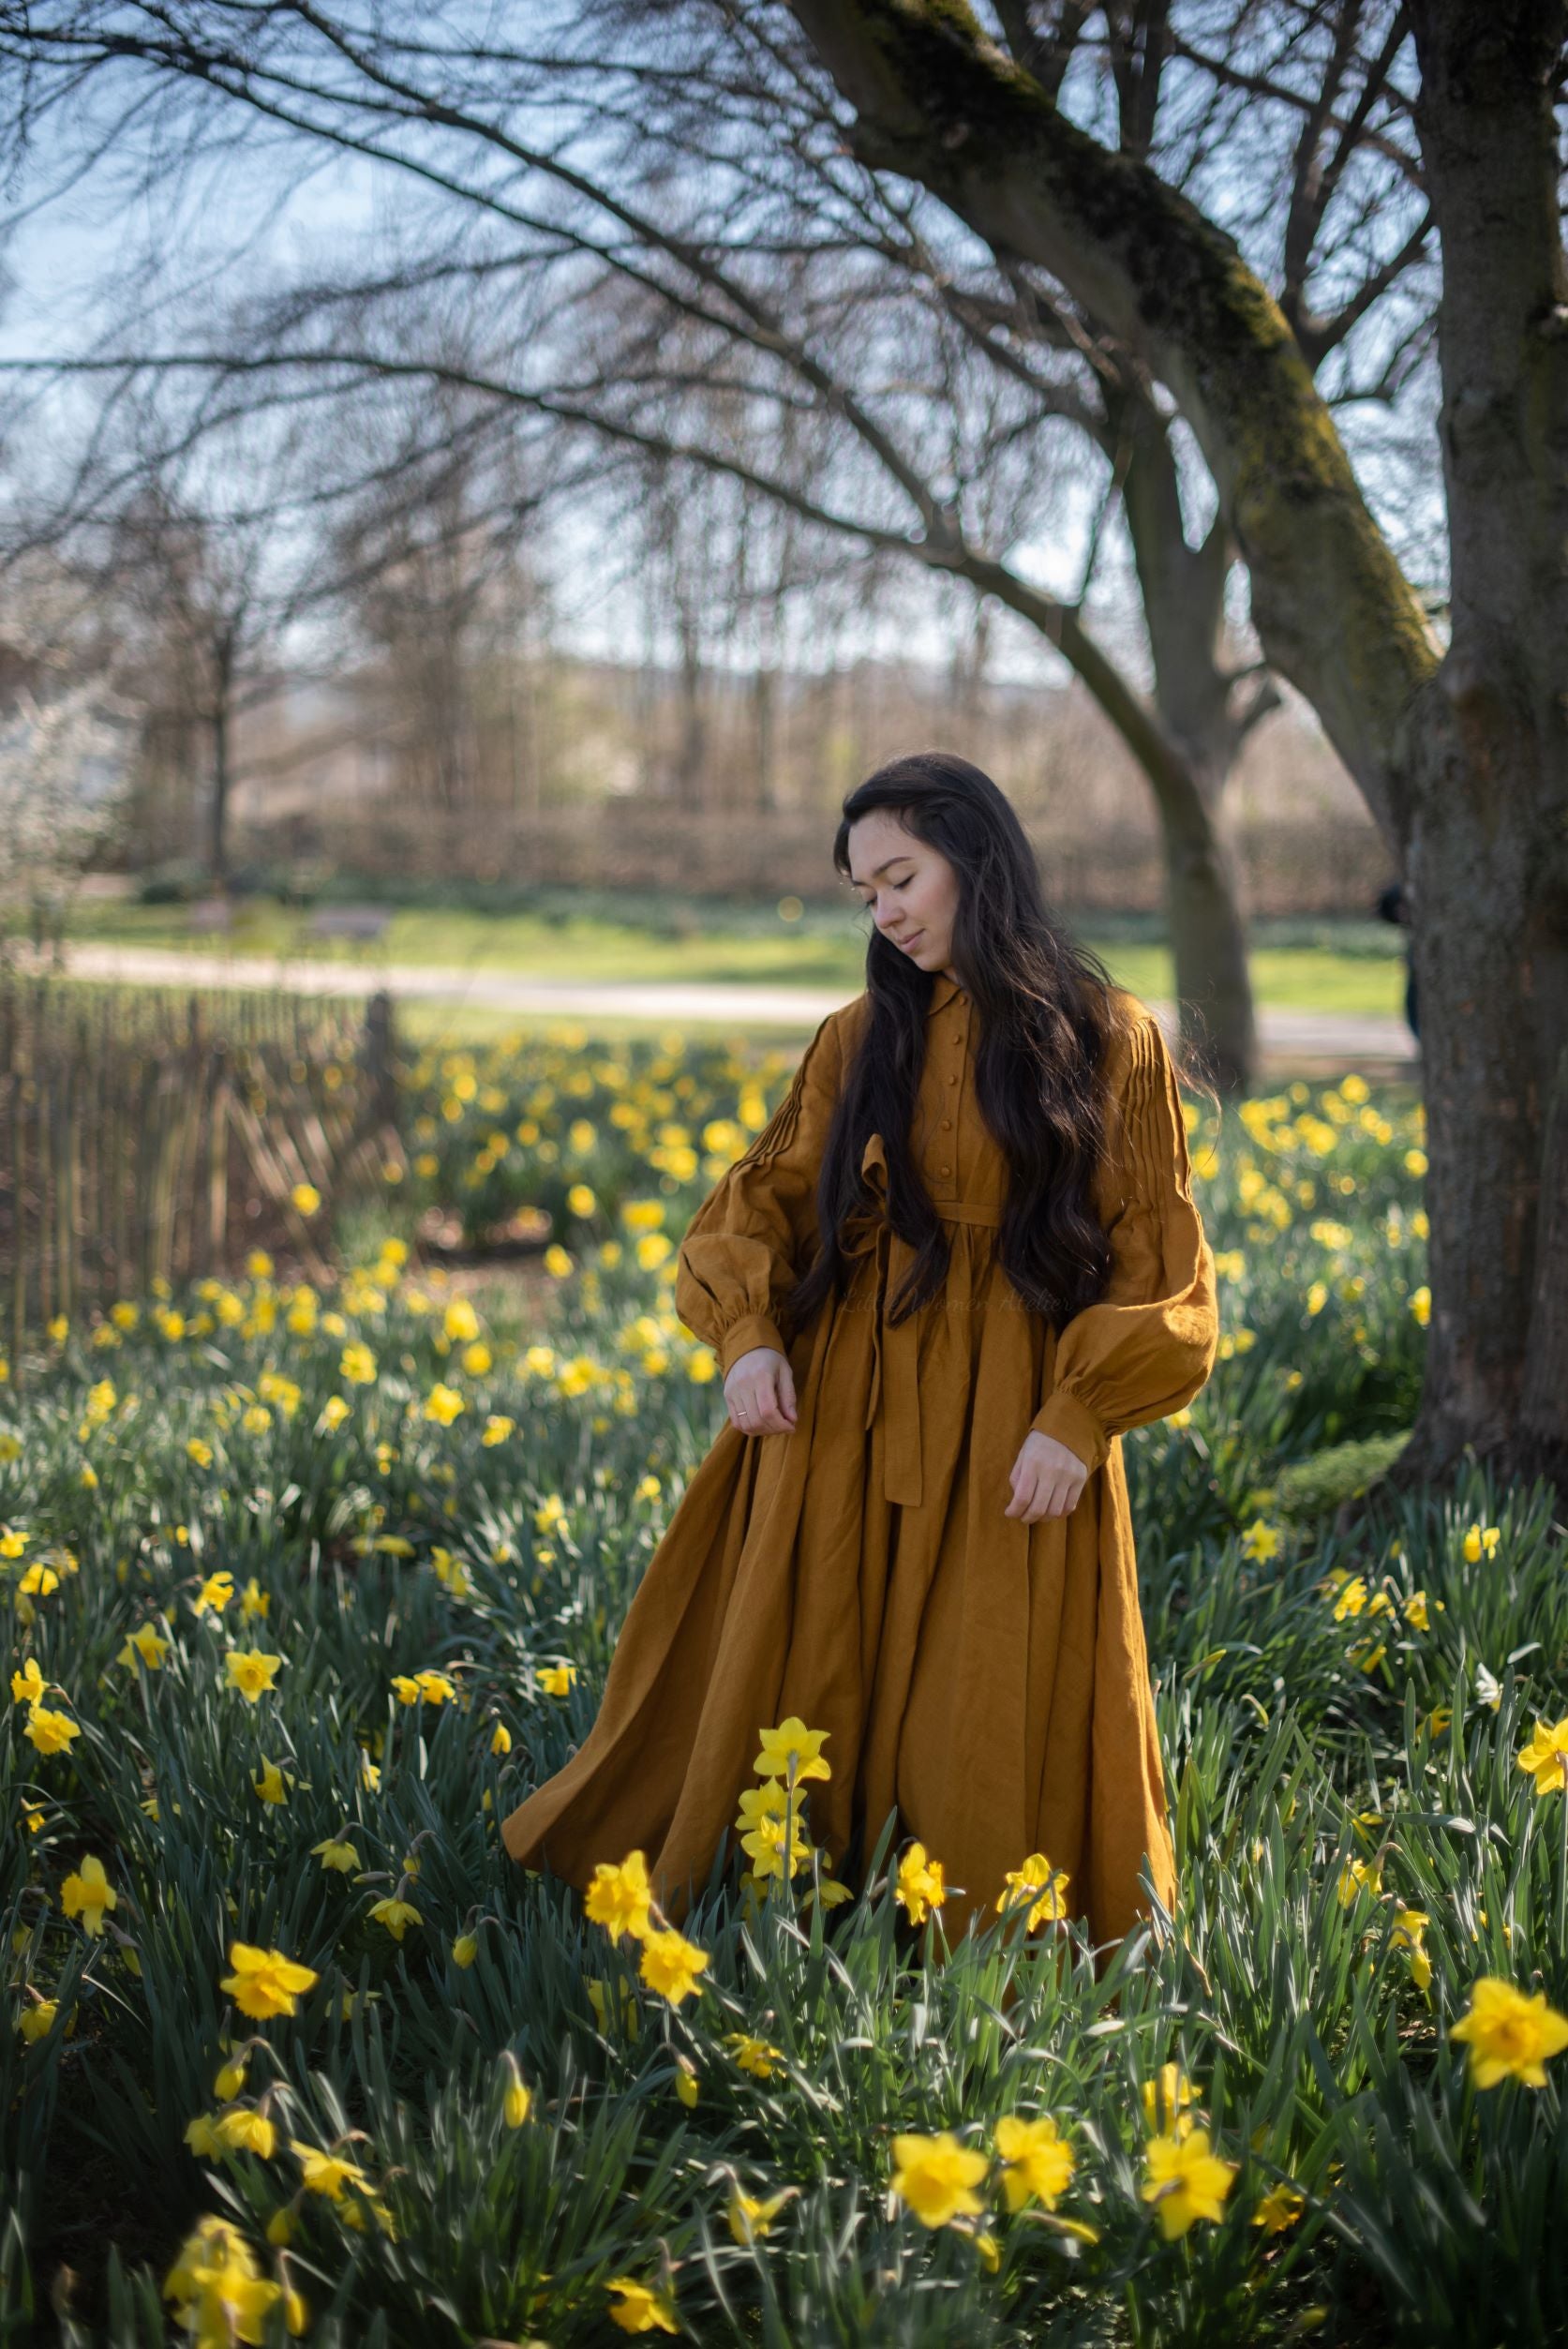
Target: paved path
x,y
1285,1035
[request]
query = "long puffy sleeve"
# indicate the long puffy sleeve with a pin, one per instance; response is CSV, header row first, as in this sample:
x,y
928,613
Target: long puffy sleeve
x,y
757,1231
1148,1345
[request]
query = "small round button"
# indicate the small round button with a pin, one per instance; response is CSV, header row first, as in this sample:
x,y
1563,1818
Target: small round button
x,y
952,1079
946,1170
946,1123
963,998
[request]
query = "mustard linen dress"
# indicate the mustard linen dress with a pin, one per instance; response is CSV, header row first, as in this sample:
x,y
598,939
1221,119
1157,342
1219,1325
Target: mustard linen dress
x,y
987,1676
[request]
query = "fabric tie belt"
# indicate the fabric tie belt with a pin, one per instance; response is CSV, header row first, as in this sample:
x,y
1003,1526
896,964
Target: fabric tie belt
x,y
895,1381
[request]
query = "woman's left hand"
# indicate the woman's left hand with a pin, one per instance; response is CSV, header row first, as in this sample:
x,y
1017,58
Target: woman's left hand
x,y
1048,1480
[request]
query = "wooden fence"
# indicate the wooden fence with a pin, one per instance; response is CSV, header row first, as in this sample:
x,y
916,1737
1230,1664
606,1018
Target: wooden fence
x,y
147,1135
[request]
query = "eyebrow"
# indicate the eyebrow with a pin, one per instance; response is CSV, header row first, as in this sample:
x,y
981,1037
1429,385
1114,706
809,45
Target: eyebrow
x,y
903,857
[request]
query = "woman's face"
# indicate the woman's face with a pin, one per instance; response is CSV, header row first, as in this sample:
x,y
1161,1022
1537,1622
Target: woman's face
x,y
910,888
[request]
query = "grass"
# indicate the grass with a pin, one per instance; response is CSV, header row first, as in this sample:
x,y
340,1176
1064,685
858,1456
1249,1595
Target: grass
x,y
1351,967
1342,1715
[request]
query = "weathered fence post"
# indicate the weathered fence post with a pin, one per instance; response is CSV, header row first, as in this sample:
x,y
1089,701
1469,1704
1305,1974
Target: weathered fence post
x,y
379,1061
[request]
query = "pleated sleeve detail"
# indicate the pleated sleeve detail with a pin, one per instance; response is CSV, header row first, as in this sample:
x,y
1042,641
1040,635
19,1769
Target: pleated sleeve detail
x,y
757,1231
1148,1345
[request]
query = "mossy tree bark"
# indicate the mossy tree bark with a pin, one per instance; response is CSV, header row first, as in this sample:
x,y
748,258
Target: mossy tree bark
x,y
1462,755
1481,786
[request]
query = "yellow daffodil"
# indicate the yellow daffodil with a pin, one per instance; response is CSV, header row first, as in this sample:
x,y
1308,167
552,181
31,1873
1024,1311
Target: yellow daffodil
x,y
1187,2181
752,2215
938,2177
426,1687
242,2130
1038,2161
230,2081
1039,1884
443,1404
762,1823
1408,1926
1280,2207
397,1915
1510,2035
619,1897
334,1852
143,1642
758,2057
641,2309
1545,1757
219,2294
793,1738
1169,2101
461,1322
920,1886
264,1982
556,1679
28,1684
49,1730
87,1894
671,1963
252,1672
216,1592
1358,1876
519,2099
326,2174
598,2000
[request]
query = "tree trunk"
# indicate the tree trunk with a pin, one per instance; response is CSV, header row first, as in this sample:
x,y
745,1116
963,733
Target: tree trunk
x,y
217,826
1208,950
764,698
1183,590
1485,789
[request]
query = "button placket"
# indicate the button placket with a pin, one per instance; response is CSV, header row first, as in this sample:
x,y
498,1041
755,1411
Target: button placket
x,y
960,1029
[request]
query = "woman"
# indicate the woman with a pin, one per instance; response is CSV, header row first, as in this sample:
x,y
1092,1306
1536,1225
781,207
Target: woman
x,y
961,1259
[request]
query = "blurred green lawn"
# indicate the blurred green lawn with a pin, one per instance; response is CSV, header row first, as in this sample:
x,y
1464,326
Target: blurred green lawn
x,y
1349,966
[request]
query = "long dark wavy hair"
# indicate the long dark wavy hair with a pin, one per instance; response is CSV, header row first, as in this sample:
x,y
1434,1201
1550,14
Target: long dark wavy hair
x,y
1046,1019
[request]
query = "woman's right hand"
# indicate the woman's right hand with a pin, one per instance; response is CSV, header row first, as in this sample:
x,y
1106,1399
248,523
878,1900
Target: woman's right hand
x,y
760,1393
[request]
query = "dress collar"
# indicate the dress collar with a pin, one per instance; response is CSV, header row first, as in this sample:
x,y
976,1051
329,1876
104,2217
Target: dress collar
x,y
942,993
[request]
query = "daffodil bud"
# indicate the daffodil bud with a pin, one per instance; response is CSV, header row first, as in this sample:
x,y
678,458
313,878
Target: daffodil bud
x,y
518,2096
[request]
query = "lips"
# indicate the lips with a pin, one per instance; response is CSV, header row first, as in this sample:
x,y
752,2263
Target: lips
x,y
904,943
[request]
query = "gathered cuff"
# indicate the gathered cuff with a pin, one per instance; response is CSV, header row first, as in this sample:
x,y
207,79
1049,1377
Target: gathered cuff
x,y
1063,1418
756,1329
